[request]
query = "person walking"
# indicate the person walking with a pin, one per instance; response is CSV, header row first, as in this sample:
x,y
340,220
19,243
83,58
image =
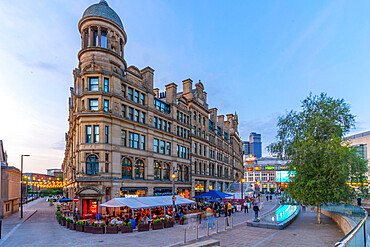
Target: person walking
x,y
270,197
267,197
229,208
359,201
225,208
246,207
256,210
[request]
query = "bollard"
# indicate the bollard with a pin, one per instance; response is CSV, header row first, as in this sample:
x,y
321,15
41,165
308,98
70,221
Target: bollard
x,y
225,222
232,222
207,228
197,232
216,226
184,235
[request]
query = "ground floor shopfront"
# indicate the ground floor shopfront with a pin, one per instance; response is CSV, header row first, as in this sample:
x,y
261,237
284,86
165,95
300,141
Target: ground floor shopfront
x,y
204,185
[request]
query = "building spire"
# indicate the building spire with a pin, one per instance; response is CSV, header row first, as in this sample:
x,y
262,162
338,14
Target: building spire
x,y
103,2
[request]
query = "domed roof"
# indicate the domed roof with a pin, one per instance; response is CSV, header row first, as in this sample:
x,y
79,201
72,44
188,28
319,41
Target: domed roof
x,y
102,9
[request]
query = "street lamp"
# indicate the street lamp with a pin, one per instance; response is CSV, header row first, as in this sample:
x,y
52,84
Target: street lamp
x,y
23,155
243,180
173,194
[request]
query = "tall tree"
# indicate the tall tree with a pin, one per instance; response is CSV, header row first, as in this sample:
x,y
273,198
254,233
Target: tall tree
x,y
312,141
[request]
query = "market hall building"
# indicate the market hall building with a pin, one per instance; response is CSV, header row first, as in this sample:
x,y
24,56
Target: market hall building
x,y
126,138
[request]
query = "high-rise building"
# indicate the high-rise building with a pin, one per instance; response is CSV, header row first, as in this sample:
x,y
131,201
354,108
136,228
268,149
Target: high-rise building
x,y
246,147
255,144
126,138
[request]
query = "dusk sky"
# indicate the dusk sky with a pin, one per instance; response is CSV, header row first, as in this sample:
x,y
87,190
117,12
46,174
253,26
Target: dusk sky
x,y
258,59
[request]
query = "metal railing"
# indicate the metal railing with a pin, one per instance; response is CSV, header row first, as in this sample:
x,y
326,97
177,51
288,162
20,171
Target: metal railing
x,y
358,236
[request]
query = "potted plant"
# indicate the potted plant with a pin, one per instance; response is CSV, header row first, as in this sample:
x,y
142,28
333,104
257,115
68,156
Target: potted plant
x,y
182,220
157,224
142,227
63,221
72,225
80,226
88,228
68,222
111,229
168,223
126,227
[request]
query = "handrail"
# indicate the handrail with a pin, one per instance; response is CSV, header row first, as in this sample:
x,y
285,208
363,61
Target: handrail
x,y
353,232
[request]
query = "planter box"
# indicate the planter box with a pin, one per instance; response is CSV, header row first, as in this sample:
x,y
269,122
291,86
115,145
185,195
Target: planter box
x,y
126,229
72,226
143,227
111,230
79,228
182,222
94,229
67,224
168,224
63,222
157,226
59,220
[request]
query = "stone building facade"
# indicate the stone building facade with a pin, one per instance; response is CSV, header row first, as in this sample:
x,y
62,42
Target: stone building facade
x,y
126,138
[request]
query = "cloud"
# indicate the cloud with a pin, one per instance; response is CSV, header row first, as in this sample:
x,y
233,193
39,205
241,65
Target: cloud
x,y
60,145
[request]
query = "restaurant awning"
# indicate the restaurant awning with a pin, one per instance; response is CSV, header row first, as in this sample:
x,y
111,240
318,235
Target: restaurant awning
x,y
145,202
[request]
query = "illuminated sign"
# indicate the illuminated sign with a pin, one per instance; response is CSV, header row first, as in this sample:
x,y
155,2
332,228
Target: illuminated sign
x,y
199,187
257,168
284,176
129,196
93,207
250,158
250,168
249,162
269,167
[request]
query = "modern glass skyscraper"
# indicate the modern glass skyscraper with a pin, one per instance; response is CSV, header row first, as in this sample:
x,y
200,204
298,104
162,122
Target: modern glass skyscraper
x,y
255,144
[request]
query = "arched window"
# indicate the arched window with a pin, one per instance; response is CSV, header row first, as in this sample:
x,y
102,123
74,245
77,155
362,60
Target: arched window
x,y
126,168
166,172
92,165
139,169
179,172
186,173
157,171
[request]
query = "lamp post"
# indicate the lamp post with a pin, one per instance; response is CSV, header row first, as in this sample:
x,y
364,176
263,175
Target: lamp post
x,y
173,194
23,155
243,180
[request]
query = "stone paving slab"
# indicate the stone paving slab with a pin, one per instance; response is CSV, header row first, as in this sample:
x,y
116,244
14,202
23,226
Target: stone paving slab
x,y
302,232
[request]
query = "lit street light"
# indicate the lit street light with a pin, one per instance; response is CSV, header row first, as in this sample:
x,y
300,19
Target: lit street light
x,y
173,194
23,155
243,180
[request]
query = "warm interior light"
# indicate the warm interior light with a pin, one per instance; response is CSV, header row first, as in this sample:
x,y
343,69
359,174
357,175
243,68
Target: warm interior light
x,y
173,176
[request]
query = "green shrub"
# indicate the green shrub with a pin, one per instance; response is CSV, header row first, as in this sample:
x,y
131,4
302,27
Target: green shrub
x,y
157,221
63,218
170,218
102,224
183,217
115,224
81,223
165,219
124,224
69,220
86,223
129,224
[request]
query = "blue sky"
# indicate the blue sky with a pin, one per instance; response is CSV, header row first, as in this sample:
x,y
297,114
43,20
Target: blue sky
x,y
259,59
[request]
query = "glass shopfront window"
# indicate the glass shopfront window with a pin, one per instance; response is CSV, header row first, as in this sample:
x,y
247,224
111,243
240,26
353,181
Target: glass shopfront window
x,y
162,191
133,192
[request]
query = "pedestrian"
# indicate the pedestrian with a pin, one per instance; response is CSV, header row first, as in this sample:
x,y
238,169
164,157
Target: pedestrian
x,y
270,197
359,200
246,207
256,210
267,197
229,208
225,209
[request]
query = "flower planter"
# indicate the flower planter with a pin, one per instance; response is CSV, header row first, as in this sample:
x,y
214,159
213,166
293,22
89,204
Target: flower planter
x,y
182,222
111,229
143,227
72,226
157,226
94,229
59,220
168,224
80,228
63,222
126,229
67,224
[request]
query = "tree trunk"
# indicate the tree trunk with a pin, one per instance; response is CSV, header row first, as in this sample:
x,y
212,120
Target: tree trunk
x,y
319,213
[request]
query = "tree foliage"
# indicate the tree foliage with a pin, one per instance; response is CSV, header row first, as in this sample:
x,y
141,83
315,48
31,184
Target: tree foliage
x,y
313,143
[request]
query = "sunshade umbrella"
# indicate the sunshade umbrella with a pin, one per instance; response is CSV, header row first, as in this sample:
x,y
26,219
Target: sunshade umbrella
x,y
213,200
65,200
213,194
